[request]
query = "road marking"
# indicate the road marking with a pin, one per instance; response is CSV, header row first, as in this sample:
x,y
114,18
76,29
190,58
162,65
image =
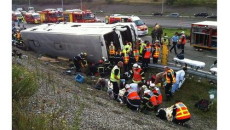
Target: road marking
x,y
212,57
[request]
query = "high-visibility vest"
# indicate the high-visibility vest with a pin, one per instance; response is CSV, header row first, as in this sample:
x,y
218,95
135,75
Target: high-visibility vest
x,y
18,35
157,52
148,52
111,50
159,97
112,75
137,75
183,39
133,95
126,57
152,100
173,77
136,55
142,46
182,111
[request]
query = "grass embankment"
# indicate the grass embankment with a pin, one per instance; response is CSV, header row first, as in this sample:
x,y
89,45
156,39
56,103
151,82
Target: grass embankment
x,y
193,90
25,83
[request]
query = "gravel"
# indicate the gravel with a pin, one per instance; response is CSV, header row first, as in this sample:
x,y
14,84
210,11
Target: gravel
x,y
71,101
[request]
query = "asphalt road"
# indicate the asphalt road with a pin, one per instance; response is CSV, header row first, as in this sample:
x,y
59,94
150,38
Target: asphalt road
x,y
169,22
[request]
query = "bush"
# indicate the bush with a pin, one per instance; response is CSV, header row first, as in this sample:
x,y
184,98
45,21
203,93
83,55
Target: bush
x,y
24,83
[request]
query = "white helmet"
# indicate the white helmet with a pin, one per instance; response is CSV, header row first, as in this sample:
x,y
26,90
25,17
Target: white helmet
x,y
135,65
127,86
147,91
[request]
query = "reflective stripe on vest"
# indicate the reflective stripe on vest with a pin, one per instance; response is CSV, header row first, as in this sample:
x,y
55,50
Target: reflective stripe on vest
x,y
157,52
173,77
133,95
111,50
136,75
136,55
126,57
182,111
112,75
148,52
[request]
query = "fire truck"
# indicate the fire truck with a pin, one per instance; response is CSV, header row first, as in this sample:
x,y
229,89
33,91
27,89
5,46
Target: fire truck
x,y
51,16
79,16
204,35
32,18
142,29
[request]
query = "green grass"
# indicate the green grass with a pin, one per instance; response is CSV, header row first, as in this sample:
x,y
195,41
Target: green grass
x,y
171,31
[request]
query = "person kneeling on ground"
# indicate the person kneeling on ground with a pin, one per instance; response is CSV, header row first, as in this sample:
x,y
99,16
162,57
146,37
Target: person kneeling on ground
x,y
131,98
180,113
149,101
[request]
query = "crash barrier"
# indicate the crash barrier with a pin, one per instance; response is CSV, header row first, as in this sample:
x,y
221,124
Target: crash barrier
x,y
191,63
190,71
79,78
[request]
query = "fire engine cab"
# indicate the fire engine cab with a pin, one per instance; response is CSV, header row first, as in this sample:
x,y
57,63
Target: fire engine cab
x,y
142,29
51,16
32,18
79,16
204,35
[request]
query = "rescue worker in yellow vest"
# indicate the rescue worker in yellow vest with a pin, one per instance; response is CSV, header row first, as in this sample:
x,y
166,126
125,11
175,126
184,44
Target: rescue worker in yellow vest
x,y
170,77
112,53
118,56
146,55
127,47
115,79
180,113
126,59
137,74
156,51
142,46
131,98
136,54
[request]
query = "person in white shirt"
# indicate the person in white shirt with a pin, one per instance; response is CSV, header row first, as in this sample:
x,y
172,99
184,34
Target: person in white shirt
x,y
180,78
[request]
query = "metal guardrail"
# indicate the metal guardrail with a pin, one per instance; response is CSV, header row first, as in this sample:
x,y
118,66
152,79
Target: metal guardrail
x,y
204,74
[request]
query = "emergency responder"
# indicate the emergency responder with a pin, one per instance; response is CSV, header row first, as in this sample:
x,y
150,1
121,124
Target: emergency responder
x,y
156,51
115,78
149,101
131,98
146,55
170,77
112,50
126,59
118,56
136,54
156,91
137,74
142,46
80,61
182,42
174,41
127,47
180,113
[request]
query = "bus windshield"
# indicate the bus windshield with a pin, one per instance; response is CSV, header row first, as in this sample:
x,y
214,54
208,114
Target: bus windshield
x,y
89,16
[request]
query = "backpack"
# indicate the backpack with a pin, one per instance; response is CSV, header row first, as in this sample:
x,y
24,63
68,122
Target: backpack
x,y
203,105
